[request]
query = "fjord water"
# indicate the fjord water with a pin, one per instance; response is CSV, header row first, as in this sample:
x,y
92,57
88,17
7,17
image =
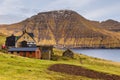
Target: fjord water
x,y
108,54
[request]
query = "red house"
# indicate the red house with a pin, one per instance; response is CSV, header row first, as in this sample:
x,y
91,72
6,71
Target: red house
x,y
26,52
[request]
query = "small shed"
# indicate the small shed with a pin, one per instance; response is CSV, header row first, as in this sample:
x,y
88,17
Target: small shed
x,y
46,51
68,53
26,52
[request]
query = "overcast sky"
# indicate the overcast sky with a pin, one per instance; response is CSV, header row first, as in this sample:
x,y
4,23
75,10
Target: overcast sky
x,y
12,11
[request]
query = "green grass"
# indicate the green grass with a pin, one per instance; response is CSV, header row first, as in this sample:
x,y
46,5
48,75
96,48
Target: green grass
x,y
20,68
93,63
2,40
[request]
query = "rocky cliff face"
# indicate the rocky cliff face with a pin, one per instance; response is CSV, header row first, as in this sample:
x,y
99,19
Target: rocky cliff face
x,y
65,28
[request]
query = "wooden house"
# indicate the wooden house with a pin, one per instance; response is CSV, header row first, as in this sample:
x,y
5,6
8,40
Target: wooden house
x,y
26,52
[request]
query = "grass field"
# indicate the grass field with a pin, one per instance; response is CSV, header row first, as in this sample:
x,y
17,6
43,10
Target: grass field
x,y
21,68
2,40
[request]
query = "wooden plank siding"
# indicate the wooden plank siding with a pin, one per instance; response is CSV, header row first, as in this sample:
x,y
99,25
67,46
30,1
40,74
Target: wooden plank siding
x,y
30,54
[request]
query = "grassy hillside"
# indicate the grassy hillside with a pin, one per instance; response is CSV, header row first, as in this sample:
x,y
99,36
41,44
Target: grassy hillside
x,y
2,39
20,68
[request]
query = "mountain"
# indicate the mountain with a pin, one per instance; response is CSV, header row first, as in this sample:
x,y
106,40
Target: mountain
x,y
65,28
111,25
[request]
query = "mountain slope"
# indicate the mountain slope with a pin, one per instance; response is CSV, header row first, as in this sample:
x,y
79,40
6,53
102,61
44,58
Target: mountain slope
x,y
111,25
65,28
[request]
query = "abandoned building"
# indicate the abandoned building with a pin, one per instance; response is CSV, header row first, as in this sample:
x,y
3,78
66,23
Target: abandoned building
x,y
68,53
25,46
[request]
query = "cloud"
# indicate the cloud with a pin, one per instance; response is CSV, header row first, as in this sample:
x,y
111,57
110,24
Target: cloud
x,y
16,10
10,7
28,8
67,4
18,7
10,19
11,11
103,11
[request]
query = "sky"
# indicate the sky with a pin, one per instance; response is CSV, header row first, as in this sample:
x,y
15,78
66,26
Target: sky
x,y
13,11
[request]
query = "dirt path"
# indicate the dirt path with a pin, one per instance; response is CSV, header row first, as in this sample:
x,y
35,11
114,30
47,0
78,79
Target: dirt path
x,y
80,71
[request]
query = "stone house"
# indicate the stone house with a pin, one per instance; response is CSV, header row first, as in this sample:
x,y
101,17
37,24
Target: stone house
x,y
68,53
25,40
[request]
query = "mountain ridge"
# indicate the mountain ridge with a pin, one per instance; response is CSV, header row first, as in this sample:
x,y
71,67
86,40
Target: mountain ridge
x,y
66,28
